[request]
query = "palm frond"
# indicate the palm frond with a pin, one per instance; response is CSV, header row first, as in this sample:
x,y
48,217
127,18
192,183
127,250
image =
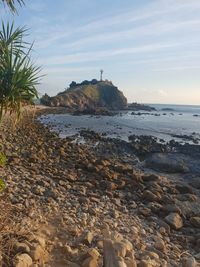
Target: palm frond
x,y
12,4
18,75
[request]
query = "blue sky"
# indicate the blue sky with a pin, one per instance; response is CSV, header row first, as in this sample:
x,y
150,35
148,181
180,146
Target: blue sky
x,y
150,49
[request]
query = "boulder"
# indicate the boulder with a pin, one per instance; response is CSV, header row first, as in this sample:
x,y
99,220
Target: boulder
x,y
166,162
189,262
22,260
195,221
174,220
90,262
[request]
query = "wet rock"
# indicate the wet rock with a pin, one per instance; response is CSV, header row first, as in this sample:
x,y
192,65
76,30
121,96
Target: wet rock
x,y
167,162
174,220
195,221
184,189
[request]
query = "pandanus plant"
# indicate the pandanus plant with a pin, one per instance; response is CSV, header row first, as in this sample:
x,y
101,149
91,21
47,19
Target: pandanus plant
x,y
12,4
18,75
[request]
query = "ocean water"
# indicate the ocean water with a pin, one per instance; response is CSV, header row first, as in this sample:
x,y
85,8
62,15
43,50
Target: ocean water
x,y
183,120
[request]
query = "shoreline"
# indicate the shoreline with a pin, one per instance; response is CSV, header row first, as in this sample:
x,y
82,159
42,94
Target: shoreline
x,y
85,189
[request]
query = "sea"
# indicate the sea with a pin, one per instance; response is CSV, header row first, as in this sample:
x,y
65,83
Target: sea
x,y
164,123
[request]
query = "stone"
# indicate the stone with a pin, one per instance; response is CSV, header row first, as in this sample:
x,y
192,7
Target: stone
x,y
159,244
148,195
121,263
90,262
120,249
69,251
72,264
86,238
195,221
93,253
38,253
130,262
128,244
189,262
41,241
23,260
167,162
174,220
148,263
21,247
184,189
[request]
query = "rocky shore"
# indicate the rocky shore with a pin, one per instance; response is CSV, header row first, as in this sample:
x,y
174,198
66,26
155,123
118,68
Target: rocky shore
x,y
64,199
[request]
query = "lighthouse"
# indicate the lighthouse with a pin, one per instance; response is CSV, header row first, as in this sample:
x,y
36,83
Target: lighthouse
x,y
101,75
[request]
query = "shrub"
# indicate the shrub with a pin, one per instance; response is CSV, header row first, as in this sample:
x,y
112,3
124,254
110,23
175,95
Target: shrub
x,y
3,159
2,185
18,75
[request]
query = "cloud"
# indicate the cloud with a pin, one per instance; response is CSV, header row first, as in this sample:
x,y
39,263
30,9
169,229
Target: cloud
x,y
105,54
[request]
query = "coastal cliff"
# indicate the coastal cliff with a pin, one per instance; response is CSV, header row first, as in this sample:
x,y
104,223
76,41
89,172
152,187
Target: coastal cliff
x,y
88,95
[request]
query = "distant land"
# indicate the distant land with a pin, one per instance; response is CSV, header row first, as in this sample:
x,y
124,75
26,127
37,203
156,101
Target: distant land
x,y
92,97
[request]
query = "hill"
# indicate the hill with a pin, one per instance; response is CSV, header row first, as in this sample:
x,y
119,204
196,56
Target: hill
x,y
88,95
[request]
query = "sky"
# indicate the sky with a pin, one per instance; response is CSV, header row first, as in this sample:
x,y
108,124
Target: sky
x,y
150,49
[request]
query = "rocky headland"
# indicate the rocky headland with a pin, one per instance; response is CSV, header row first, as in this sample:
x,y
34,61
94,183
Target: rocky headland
x,y
92,97
64,200
88,96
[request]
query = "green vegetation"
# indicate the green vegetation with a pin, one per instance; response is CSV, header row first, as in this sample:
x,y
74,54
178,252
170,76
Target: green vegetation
x,y
18,75
3,159
91,92
2,185
12,4
88,95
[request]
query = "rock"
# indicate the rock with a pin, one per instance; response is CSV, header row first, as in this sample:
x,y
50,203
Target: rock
x,y
93,253
21,247
121,263
167,162
40,240
148,263
38,253
23,260
195,221
150,178
160,244
128,244
189,262
88,97
86,238
174,220
130,262
120,249
148,195
70,252
90,262
72,264
184,189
